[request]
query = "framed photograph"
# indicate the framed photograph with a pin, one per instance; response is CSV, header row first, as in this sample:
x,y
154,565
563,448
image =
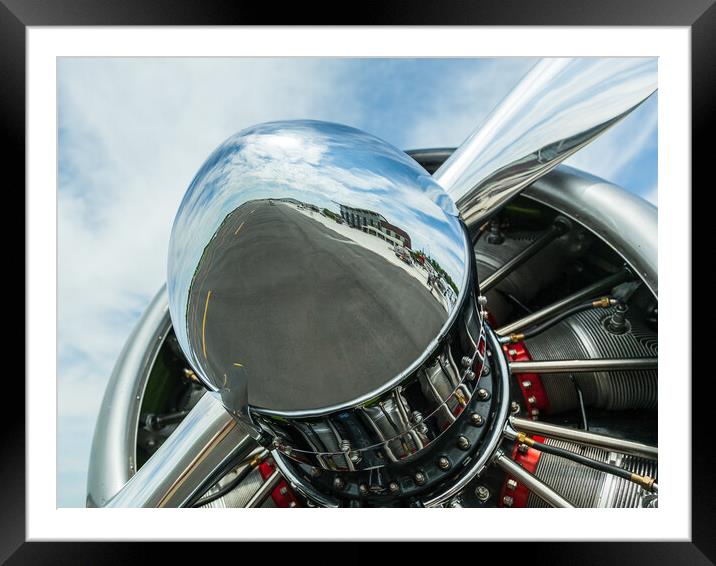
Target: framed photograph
x,y
363,272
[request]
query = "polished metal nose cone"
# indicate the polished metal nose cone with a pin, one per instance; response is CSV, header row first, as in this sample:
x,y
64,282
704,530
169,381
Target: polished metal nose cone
x,y
311,267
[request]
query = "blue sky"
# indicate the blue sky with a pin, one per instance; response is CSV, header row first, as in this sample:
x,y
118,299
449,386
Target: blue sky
x,y
134,132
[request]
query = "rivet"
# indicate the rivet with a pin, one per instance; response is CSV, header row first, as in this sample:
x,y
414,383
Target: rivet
x,y
482,493
463,443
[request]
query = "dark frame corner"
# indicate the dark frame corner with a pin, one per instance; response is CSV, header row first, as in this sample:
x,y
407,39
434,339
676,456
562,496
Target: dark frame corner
x,y
699,15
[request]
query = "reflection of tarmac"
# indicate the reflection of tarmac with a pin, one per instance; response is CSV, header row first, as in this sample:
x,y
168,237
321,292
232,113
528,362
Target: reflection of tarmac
x,y
313,318
381,247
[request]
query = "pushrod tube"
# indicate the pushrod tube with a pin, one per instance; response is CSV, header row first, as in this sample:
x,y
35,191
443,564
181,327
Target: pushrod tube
x,y
570,366
588,292
582,437
263,492
536,486
552,234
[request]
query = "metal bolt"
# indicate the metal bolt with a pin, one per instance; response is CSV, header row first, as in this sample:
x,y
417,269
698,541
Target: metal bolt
x,y
466,361
507,501
283,490
482,493
482,300
470,375
338,484
532,400
393,487
523,448
363,489
476,419
515,407
483,394
443,463
485,369
511,484
463,443
419,478
315,472
292,504
526,384
455,503
535,412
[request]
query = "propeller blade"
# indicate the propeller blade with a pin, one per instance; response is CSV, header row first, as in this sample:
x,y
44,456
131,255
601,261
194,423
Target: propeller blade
x,y
559,107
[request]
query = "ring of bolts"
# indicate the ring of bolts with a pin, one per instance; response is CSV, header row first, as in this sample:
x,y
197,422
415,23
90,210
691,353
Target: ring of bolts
x,y
419,477
443,462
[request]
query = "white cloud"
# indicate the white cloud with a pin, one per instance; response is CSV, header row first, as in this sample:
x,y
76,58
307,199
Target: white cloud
x,y
464,101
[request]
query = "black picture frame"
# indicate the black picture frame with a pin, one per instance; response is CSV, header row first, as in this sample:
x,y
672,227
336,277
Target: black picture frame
x,y
698,15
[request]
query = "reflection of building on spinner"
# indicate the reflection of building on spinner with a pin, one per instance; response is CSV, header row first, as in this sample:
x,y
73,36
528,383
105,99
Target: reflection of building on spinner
x,y
376,224
419,264
373,223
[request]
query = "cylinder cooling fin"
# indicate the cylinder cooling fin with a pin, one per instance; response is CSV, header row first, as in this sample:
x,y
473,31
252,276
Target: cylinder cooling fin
x,y
583,336
581,485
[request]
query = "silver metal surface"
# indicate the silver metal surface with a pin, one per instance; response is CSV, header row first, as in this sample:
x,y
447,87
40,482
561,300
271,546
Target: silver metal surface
x,y
558,108
113,459
625,222
570,366
582,437
204,444
263,492
295,284
535,485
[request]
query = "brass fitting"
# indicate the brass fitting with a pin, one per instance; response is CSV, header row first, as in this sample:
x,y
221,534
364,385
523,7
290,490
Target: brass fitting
x,y
644,481
258,458
514,338
603,303
522,438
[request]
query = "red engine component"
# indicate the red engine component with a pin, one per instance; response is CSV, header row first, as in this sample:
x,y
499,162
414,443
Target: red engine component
x,y
282,495
533,391
513,493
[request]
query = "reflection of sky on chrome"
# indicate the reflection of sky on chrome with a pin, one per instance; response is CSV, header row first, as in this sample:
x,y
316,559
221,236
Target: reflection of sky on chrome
x,y
319,163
